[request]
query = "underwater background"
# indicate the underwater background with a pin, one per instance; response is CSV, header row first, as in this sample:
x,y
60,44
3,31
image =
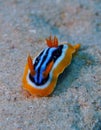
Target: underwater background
x,y
75,103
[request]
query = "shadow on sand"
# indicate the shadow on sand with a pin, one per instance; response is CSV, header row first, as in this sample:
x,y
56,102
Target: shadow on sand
x,y
72,73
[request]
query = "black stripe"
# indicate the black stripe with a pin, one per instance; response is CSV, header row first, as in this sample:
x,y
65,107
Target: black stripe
x,y
44,58
38,59
56,54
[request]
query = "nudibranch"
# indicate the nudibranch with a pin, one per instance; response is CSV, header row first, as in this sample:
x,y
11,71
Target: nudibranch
x,y
41,74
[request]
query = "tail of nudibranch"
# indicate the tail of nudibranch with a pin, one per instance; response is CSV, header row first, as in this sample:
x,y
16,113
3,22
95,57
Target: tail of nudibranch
x,y
73,49
76,47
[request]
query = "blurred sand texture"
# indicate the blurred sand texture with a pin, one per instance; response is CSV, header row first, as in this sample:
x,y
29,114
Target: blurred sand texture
x,y
76,102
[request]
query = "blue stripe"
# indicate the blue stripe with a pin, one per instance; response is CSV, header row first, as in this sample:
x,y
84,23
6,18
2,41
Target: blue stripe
x,y
44,65
41,59
39,64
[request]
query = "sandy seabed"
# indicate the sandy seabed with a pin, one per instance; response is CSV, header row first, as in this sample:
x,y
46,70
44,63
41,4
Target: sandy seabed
x,y
76,102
